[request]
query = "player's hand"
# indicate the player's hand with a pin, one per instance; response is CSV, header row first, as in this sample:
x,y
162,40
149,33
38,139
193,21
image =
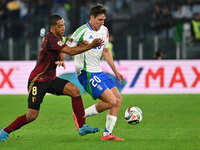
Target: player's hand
x,y
97,42
60,63
83,43
120,77
69,40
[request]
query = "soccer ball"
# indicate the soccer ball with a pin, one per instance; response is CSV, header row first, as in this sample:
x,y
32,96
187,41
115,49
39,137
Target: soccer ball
x,y
133,115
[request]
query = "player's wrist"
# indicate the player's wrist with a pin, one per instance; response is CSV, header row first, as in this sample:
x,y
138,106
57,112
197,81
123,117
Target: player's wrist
x,y
90,46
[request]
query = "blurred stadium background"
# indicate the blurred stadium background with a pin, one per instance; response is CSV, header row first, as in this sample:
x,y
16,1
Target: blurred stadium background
x,y
139,28
143,32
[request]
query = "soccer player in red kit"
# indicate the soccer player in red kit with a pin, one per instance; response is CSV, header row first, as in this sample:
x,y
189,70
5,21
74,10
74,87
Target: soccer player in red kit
x,y
43,78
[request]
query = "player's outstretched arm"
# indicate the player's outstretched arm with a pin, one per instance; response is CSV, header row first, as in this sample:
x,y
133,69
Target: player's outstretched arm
x,y
79,49
109,59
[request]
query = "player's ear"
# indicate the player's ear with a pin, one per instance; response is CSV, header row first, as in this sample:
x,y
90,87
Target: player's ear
x,y
91,17
53,27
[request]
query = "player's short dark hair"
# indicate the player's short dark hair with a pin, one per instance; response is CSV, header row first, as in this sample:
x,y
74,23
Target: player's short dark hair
x,y
53,19
97,10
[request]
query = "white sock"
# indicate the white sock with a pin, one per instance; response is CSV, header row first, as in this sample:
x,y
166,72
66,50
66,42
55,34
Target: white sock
x,y
90,111
110,123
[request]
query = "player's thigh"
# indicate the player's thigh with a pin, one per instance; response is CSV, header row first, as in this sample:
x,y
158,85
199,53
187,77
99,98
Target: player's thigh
x,y
36,93
57,86
63,87
110,93
108,96
71,90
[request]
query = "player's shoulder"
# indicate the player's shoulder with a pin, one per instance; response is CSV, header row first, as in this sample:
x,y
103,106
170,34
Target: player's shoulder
x,y
104,28
84,26
81,29
49,36
46,37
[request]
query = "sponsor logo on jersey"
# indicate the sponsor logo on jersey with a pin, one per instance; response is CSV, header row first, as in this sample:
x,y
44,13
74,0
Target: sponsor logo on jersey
x,y
91,37
70,40
99,87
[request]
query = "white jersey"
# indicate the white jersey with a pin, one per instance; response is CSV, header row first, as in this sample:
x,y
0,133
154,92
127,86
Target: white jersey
x,y
89,60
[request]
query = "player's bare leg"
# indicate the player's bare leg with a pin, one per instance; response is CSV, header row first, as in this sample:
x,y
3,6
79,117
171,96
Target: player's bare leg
x,y
79,111
31,115
73,91
112,118
115,109
108,101
111,101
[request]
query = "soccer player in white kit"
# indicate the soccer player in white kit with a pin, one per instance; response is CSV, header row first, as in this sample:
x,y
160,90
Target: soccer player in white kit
x,y
97,83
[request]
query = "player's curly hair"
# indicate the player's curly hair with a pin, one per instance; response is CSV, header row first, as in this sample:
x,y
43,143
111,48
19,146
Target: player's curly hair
x,y
53,20
97,10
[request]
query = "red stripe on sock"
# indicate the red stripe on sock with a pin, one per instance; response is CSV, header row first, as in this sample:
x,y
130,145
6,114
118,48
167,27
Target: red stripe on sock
x,y
77,105
18,123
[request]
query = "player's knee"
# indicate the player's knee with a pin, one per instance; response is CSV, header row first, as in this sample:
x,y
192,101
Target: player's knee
x,y
31,117
75,92
112,103
119,100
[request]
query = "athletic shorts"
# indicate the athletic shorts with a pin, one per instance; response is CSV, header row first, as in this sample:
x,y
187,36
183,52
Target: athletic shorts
x,y
39,89
95,83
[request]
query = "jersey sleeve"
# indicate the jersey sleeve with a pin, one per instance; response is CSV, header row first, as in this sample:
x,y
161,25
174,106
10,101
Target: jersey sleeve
x,y
73,41
55,44
77,36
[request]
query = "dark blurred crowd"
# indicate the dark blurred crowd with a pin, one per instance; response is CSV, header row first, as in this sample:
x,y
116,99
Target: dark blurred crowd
x,y
19,18
23,22
25,19
169,20
15,14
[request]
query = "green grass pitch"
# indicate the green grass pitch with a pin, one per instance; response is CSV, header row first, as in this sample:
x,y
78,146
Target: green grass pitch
x,y
170,122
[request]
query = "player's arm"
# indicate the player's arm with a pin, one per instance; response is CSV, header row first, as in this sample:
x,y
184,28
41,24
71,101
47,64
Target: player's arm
x,y
109,59
79,49
61,59
62,56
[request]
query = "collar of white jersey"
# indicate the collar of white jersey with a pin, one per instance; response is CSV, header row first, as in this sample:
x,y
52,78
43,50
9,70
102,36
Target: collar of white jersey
x,y
90,27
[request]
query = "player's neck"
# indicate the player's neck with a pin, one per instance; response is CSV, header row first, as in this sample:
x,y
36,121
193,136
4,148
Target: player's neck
x,y
90,23
54,33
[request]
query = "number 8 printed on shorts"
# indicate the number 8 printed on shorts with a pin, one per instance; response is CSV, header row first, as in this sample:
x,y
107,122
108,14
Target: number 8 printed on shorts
x,y
95,78
34,90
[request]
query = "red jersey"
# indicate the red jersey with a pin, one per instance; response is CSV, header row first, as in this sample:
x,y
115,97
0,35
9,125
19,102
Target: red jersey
x,y
45,68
